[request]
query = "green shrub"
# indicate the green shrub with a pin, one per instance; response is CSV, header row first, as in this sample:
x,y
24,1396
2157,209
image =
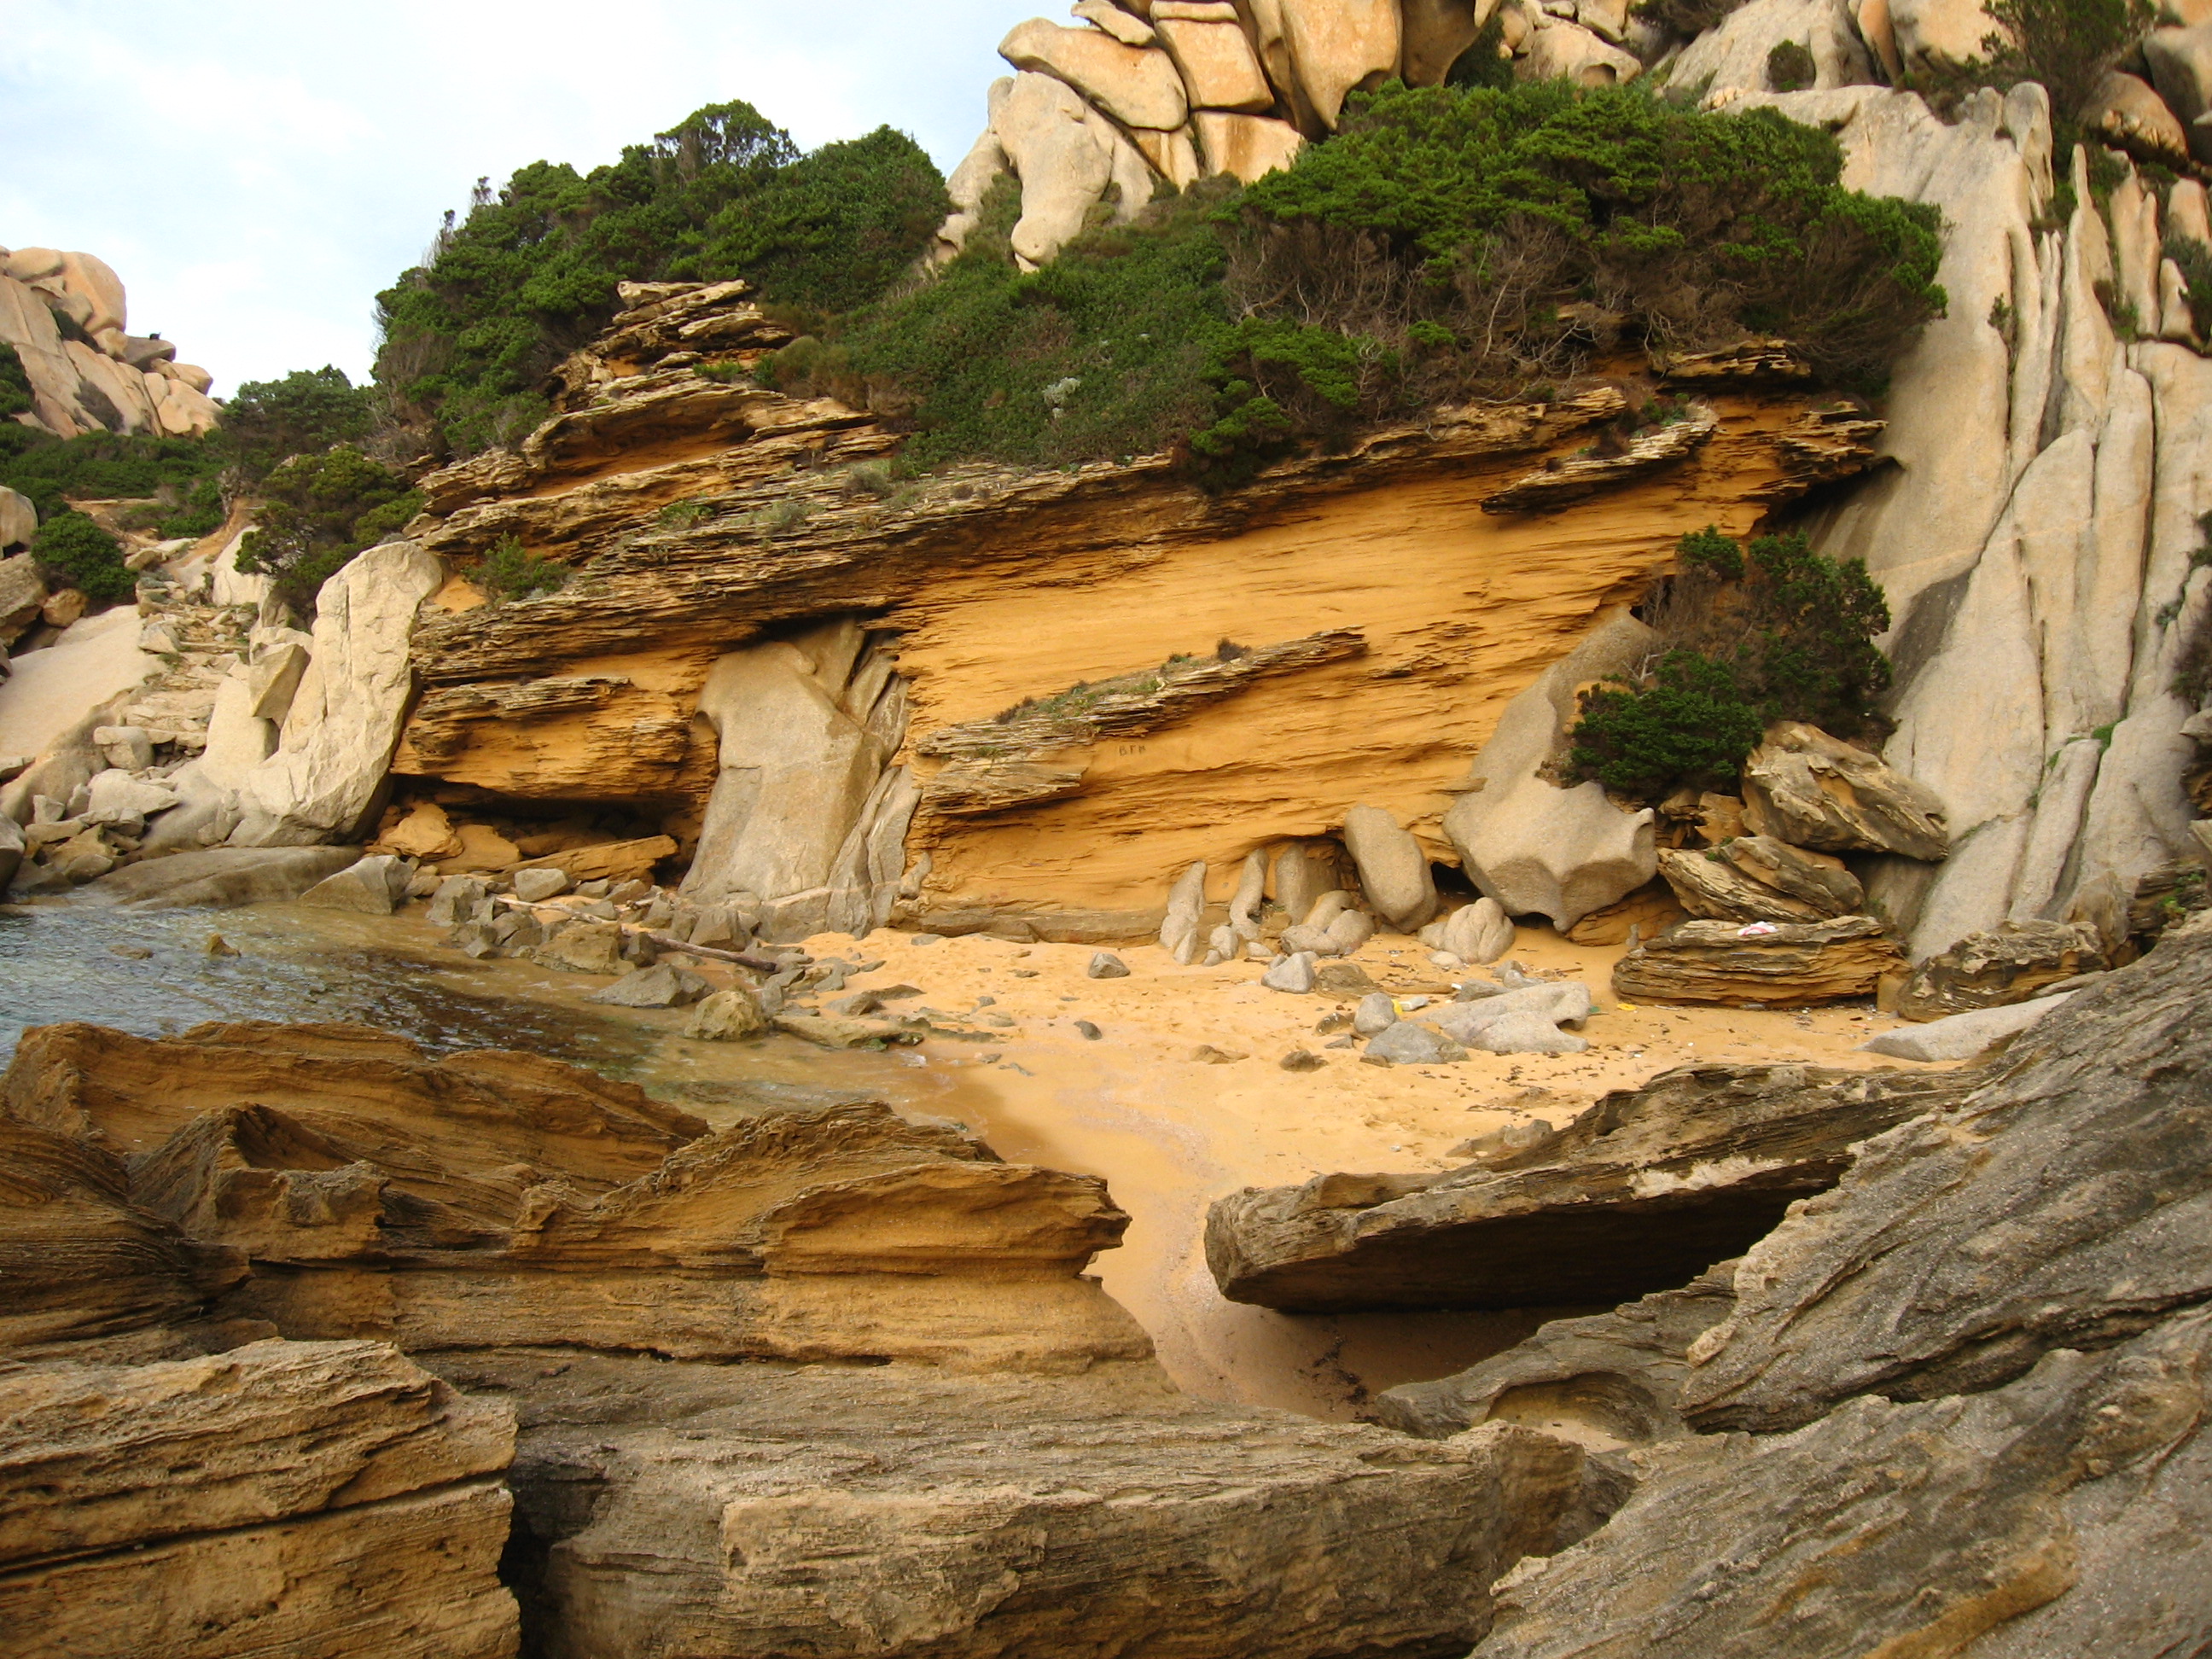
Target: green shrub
x,y
1791,68
1688,722
530,273
1685,17
77,553
1485,63
507,572
15,383
978,362
1497,213
317,512
1750,636
102,466
268,422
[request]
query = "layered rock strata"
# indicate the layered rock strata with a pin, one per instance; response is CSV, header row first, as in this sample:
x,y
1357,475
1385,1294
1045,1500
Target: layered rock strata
x,y
1640,1194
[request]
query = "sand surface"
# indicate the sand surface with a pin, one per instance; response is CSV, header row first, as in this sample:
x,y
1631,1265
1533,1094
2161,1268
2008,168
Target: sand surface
x,y
1171,1133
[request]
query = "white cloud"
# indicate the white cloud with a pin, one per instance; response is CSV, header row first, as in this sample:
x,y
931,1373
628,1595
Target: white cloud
x,y
256,170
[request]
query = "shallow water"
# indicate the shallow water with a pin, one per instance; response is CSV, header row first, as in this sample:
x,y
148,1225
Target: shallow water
x,y
149,973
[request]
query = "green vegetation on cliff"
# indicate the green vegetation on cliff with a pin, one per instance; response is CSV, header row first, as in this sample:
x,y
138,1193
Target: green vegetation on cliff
x,y
77,553
1449,243
530,273
317,511
1748,635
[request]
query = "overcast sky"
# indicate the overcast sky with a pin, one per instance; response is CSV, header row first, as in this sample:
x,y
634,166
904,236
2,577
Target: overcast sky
x,y
256,170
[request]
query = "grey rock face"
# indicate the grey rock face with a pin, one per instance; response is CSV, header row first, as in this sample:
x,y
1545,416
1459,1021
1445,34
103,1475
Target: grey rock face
x,y
1376,1013
1642,1193
375,885
1615,1376
1294,974
2063,1516
660,987
2064,1203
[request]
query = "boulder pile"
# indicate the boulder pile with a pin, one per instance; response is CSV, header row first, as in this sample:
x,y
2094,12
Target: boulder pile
x,y
65,316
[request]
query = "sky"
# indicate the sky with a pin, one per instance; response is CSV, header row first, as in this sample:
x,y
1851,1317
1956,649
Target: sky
x,y
256,172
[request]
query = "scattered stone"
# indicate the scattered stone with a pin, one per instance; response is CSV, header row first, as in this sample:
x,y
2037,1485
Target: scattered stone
x,y
581,947
1990,971
1104,964
126,747
1962,1036
1206,1054
660,987
727,1016
829,1033
455,901
926,938
1762,965
1641,1193
216,945
1002,1022
1350,932
535,886
1394,871
1524,1034
115,797
1090,1030
1477,932
375,885
1376,1013
1342,979
858,1004
1409,1042
1301,1060
1802,787
135,952
1303,941
1294,974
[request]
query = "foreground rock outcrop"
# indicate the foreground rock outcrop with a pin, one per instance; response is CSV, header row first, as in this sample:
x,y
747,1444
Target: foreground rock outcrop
x,y
950,1443
1975,1375
280,1497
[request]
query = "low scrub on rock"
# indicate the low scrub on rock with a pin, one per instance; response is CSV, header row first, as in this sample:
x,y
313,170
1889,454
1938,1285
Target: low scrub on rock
x,y
531,274
1449,243
1773,631
178,475
2065,46
78,553
319,512
307,412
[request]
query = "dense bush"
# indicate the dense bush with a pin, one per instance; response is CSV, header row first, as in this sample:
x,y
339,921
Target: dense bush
x,y
78,553
1449,243
1749,635
1105,352
310,409
179,474
317,511
531,274
1528,227
1791,68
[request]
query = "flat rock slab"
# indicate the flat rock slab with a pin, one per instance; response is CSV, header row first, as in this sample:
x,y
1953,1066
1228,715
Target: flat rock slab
x,y
226,877
755,1512
1642,1193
